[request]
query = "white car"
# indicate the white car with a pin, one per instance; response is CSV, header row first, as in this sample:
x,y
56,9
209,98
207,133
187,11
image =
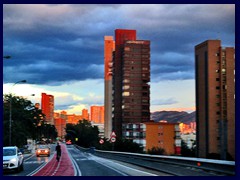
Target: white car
x,y
12,158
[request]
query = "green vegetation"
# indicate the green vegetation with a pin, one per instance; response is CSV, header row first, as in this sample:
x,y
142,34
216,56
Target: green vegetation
x,y
27,122
156,151
187,152
86,133
87,136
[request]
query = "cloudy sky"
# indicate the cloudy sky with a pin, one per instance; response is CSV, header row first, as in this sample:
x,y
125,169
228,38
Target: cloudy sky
x,y
59,49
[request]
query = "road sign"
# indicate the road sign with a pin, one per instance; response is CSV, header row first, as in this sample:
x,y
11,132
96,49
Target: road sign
x,y
101,141
113,139
113,134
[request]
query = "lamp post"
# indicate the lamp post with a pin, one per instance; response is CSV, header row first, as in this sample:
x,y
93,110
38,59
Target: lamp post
x,y
6,57
10,113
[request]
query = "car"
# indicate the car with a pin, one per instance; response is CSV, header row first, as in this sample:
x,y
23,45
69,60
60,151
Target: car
x,y
68,142
42,150
12,158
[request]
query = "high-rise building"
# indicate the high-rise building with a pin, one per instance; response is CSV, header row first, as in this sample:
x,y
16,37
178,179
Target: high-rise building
x,y
131,75
121,35
109,48
85,114
47,106
97,114
215,99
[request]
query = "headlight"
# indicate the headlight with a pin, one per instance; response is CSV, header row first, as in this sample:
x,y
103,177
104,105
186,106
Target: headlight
x,y
46,150
38,151
13,160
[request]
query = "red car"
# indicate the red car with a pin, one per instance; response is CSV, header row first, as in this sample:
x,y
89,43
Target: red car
x,y
68,142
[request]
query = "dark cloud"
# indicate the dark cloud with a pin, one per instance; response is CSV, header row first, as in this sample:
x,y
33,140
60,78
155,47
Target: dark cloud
x,y
53,44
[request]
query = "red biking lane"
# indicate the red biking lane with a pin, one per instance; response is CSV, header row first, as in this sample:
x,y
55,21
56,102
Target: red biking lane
x,y
54,168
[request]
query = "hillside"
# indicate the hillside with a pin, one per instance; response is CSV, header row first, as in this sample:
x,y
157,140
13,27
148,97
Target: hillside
x,y
174,116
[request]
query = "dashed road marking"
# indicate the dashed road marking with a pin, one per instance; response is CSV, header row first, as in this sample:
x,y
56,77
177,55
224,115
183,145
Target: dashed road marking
x,y
33,162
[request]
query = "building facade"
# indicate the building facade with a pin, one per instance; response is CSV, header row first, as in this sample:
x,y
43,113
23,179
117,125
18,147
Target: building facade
x,y
215,99
60,125
165,136
97,114
85,114
131,75
47,105
109,48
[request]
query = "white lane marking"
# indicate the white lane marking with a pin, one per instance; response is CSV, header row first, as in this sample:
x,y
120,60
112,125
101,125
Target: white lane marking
x,y
95,158
98,161
75,165
34,162
40,167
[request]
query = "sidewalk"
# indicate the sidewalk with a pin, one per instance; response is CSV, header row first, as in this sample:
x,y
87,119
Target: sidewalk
x,y
54,168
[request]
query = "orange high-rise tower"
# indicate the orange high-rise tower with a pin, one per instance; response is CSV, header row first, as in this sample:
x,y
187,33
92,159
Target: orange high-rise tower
x,y
47,106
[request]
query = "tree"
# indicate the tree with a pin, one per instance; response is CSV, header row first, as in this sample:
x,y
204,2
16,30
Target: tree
x,y
156,151
22,120
186,152
86,133
27,121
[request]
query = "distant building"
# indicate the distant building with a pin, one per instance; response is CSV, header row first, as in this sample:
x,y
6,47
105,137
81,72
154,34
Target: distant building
x,y
215,99
97,114
60,125
85,114
100,128
47,105
109,48
163,135
73,118
189,139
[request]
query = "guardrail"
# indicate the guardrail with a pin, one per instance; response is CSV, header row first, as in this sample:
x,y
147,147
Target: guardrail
x,y
149,161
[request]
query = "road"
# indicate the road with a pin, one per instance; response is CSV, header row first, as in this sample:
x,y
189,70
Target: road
x,y
77,163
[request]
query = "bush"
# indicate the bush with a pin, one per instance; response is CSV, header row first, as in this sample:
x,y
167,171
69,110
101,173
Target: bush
x,y
156,151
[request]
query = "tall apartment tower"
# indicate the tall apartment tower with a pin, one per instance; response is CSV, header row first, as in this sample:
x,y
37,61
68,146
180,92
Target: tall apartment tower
x,y
47,106
131,75
109,48
215,99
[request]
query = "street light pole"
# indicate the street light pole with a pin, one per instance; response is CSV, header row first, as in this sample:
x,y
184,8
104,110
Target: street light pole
x,y
10,113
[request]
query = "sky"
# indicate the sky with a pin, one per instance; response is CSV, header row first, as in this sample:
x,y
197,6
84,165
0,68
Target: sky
x,y
59,49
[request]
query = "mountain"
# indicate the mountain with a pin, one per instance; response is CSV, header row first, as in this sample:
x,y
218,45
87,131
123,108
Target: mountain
x,y
174,116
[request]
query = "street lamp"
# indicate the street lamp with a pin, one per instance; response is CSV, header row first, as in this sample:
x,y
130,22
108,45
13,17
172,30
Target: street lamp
x,y
6,57
10,113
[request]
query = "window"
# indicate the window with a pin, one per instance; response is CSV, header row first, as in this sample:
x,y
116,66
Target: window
x,y
217,87
126,93
223,71
144,56
217,79
125,87
127,48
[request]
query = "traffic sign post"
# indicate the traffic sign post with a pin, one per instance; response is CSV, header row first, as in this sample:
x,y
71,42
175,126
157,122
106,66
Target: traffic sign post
x,y
113,139
101,141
